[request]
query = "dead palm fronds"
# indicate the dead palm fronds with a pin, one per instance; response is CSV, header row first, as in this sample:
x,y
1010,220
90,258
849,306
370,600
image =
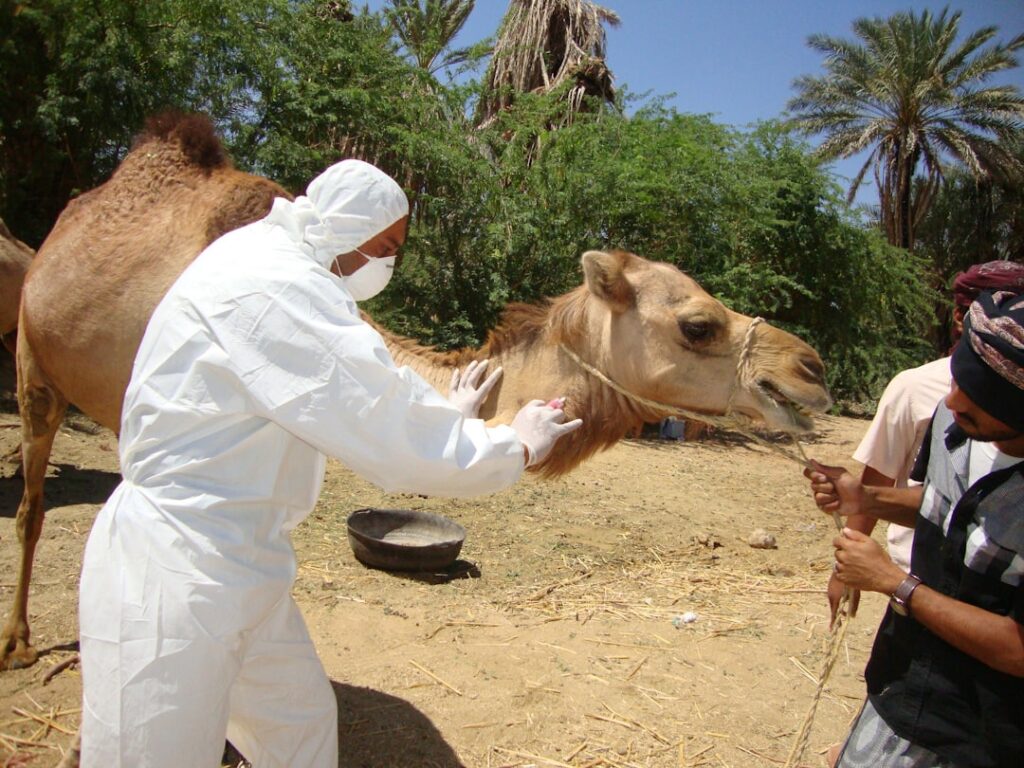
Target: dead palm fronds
x,y
544,45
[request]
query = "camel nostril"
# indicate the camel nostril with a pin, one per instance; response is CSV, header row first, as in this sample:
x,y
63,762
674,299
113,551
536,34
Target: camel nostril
x,y
811,369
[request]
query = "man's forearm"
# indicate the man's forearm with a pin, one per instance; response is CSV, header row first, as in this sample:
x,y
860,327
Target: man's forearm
x,y
998,641
863,523
896,505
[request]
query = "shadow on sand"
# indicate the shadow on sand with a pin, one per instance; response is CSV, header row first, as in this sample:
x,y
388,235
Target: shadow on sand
x,y
377,730
70,485
460,569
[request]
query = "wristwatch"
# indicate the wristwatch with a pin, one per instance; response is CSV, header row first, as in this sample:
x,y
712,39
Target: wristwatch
x,y
899,601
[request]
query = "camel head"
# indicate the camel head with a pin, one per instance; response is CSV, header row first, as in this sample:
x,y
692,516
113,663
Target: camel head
x,y
658,335
638,341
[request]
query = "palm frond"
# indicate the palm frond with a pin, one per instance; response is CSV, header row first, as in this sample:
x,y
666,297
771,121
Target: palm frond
x,y
426,29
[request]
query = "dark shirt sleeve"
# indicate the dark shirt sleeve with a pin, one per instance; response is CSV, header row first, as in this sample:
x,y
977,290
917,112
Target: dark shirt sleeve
x,y
920,470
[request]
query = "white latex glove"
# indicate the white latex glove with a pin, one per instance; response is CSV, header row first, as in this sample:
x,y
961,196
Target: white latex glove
x,y
464,393
539,425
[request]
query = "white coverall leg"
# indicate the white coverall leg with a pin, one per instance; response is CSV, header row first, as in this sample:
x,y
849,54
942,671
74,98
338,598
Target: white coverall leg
x,y
150,672
283,709
166,674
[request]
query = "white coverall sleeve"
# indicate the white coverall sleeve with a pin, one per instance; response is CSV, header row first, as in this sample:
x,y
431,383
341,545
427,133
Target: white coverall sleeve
x,y
312,366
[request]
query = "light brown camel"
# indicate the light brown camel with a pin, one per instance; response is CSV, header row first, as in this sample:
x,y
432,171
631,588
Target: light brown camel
x,y
15,259
644,324
656,334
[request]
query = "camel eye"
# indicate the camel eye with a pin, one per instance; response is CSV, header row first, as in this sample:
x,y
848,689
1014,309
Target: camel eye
x,y
695,331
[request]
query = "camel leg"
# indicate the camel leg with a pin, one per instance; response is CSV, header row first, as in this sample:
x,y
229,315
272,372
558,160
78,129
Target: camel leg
x,y
42,407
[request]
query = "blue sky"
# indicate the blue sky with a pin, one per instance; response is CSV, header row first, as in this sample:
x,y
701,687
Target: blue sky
x,y
736,59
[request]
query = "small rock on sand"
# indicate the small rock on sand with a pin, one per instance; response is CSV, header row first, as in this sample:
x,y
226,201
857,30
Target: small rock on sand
x,y
761,539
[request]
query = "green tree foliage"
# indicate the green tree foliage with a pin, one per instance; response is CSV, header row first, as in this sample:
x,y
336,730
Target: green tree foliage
x,y
81,75
337,89
910,93
970,222
427,29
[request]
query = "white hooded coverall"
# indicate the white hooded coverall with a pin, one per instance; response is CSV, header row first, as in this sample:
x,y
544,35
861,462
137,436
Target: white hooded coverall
x,y
253,368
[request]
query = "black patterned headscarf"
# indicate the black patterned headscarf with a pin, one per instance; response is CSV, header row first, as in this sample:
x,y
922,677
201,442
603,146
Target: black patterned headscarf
x,y
988,362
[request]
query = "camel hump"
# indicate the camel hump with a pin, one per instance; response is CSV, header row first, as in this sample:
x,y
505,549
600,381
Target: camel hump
x,y
194,133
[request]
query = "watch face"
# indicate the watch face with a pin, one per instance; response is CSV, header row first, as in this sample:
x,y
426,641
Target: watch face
x,y
898,606
900,599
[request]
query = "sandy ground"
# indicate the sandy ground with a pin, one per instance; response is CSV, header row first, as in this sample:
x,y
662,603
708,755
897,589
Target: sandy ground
x,y
558,638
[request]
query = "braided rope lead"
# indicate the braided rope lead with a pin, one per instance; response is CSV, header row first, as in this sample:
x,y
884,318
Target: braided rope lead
x,y
739,423
836,636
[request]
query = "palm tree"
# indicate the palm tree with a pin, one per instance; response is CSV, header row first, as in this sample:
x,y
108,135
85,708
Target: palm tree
x,y
427,28
545,45
913,96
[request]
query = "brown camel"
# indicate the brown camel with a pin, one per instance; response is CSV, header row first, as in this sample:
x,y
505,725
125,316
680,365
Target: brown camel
x,y
115,250
94,283
15,259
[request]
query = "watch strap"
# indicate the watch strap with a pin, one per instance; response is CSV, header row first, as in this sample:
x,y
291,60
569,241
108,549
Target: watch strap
x,y
900,599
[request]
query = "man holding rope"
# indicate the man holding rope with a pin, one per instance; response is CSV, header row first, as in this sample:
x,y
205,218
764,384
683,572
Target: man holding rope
x,y
893,439
946,673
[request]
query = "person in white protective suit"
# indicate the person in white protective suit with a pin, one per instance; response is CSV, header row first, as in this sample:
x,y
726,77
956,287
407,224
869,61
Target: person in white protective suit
x,y
253,369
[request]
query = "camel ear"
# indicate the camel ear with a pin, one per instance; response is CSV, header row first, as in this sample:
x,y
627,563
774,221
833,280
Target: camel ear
x,y
606,278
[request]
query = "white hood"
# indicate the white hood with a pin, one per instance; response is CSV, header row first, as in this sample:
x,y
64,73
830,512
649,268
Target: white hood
x,y
343,207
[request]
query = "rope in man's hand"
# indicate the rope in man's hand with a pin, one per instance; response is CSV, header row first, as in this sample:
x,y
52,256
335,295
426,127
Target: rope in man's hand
x,y
837,633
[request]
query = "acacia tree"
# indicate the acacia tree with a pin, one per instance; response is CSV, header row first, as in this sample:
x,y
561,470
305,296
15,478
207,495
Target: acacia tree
x,y
912,95
80,76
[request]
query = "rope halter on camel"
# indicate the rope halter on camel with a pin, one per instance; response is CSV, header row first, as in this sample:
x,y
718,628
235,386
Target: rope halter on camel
x,y
729,418
742,424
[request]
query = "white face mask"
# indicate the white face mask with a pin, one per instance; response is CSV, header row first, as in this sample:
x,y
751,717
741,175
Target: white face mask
x,y
371,278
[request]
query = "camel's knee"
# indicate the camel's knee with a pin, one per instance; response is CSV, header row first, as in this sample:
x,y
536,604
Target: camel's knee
x,y
40,404
41,411
29,522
